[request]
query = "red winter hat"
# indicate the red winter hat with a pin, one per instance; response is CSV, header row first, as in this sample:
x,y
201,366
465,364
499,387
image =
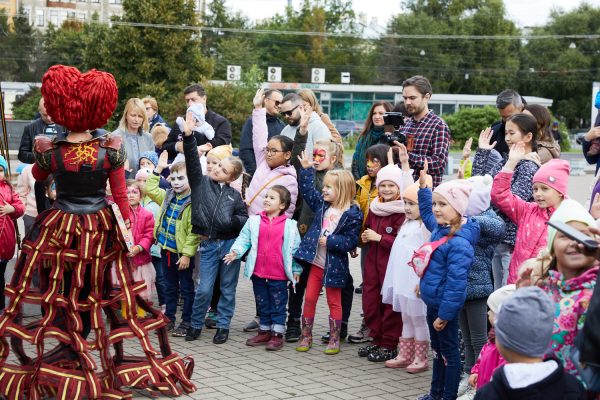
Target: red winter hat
x,y
554,173
77,101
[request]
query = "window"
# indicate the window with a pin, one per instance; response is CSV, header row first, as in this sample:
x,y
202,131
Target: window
x,y
437,108
448,108
363,96
53,17
341,95
39,18
114,1
81,16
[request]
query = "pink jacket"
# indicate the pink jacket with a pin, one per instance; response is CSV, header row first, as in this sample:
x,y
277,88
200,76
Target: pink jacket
x,y
142,227
264,174
26,191
530,219
269,259
8,238
489,359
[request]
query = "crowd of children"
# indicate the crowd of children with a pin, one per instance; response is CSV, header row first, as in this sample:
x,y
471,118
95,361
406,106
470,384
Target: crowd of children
x,y
471,262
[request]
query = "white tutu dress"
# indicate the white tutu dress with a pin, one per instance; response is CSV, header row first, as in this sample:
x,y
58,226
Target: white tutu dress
x,y
400,279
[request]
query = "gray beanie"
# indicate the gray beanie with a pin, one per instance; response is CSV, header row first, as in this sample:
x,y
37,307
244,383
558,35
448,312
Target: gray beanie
x,y
525,322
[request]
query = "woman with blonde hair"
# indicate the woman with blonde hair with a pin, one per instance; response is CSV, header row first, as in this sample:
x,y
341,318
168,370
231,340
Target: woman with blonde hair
x,y
133,128
309,97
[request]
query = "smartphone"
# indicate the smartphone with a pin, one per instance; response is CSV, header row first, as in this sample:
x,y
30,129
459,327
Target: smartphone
x,y
574,234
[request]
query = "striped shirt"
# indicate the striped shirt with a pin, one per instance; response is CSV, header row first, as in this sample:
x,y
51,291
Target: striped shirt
x,y
165,236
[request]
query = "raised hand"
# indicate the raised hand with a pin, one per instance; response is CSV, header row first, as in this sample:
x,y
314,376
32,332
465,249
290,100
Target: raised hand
x,y
517,152
163,161
403,156
305,113
205,148
467,148
190,124
423,176
484,139
230,257
304,160
259,98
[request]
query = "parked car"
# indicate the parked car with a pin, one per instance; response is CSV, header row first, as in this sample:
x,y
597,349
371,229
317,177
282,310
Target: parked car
x,y
579,136
344,127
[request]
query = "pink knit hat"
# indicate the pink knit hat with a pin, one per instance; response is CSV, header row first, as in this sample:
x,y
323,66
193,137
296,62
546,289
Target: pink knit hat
x,y
391,173
456,192
555,173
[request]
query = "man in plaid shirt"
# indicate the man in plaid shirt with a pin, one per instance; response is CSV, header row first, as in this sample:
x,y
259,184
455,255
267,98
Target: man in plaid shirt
x,y
428,136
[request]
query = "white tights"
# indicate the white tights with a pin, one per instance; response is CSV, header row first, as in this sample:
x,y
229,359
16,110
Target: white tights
x,y
415,327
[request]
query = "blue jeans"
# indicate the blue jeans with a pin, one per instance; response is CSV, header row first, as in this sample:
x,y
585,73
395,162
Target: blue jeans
x,y
211,262
446,358
175,281
500,262
160,280
271,298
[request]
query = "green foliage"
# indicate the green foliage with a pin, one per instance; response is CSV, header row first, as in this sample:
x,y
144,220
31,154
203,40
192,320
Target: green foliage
x,y
19,46
234,100
469,122
25,107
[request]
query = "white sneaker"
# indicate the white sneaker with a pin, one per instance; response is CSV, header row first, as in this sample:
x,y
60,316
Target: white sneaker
x,y
469,394
463,386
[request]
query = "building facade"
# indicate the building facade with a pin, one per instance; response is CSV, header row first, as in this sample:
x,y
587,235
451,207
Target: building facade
x,y
42,13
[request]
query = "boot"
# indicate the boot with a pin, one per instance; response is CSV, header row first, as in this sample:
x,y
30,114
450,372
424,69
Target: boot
x,y
306,338
420,363
406,355
335,326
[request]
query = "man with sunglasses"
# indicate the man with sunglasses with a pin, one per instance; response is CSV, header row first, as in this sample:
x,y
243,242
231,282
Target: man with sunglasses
x,y
274,125
290,110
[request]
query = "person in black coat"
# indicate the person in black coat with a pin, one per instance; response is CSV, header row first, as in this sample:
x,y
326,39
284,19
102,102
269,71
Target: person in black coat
x,y
274,125
41,126
508,102
195,94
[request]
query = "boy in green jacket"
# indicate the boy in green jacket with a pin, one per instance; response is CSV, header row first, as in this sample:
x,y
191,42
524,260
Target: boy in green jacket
x,y
173,233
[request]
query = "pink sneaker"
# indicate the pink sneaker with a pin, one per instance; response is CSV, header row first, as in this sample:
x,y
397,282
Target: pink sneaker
x,y
262,337
276,342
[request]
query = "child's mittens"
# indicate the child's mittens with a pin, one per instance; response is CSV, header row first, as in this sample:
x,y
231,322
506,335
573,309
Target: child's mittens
x,y
206,129
180,123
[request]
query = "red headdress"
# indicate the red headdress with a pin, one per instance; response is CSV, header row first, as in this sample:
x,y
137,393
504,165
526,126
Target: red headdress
x,y
77,101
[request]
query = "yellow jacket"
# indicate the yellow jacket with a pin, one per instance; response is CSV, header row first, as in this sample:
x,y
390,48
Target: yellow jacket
x,y
366,192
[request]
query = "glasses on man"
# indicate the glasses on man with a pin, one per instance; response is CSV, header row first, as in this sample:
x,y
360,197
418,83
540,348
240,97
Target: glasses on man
x,y
269,150
277,102
289,112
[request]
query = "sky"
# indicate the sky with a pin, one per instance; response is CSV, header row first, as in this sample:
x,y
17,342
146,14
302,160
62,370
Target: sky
x,y
523,12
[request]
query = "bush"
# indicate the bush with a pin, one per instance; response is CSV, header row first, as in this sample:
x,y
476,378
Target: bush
x,y
468,122
25,107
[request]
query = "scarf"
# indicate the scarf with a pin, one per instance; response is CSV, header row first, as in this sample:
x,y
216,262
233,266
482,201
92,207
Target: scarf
x,y
382,209
364,142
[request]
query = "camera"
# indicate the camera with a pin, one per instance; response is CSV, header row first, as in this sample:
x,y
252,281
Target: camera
x,y
393,121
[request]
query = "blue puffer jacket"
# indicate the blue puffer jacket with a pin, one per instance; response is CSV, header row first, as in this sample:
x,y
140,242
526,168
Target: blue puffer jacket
x,y
444,285
343,239
479,282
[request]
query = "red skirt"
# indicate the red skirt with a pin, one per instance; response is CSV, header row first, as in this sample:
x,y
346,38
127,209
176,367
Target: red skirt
x,y
72,255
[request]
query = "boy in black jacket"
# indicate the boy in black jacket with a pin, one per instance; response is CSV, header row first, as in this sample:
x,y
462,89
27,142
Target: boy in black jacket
x,y
523,331
218,215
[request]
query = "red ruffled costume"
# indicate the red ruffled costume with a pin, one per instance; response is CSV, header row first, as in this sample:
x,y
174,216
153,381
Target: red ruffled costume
x,y
72,247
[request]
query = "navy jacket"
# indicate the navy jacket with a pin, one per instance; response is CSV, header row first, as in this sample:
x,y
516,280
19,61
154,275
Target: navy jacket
x,y
479,283
343,239
274,126
444,285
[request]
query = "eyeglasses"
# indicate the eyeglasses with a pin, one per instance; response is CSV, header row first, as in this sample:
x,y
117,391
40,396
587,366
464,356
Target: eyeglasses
x,y
289,112
277,102
273,151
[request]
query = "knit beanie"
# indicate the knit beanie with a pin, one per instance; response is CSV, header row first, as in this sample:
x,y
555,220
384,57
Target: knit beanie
x,y
143,173
391,173
555,173
412,192
480,197
525,321
221,152
494,302
456,193
150,155
568,211
4,164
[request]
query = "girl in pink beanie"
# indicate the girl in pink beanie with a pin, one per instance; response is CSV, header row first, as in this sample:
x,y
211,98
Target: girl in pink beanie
x,y
549,190
386,214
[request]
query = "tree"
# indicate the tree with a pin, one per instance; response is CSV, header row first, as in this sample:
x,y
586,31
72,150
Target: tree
x,y
20,46
26,106
452,65
564,69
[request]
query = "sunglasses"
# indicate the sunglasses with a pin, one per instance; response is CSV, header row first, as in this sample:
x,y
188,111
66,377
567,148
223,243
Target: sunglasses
x,y
289,112
277,102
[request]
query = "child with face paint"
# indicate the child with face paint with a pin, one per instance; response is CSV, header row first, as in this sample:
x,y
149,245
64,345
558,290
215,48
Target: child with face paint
x,y
142,227
173,233
401,287
273,166
444,283
366,192
148,161
272,239
333,233
386,214
327,155
218,215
